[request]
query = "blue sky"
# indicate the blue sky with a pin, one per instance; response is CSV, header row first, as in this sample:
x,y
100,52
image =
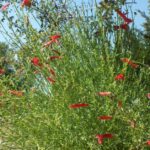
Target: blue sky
x,y
140,4
143,6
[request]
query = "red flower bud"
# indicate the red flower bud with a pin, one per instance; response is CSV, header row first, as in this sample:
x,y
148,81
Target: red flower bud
x,y
78,105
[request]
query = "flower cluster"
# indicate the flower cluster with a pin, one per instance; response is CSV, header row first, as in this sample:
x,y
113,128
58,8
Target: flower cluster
x,y
37,62
119,77
126,20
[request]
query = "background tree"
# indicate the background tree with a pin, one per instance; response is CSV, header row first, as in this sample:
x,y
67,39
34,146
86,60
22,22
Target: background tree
x,y
6,58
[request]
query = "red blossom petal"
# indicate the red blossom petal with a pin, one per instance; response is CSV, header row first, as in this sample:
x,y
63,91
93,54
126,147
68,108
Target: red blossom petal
x,y
122,15
36,61
124,26
102,136
52,81
126,60
104,93
148,142
128,20
55,37
78,105
119,77
134,66
129,62
107,135
55,57
4,7
105,117
26,3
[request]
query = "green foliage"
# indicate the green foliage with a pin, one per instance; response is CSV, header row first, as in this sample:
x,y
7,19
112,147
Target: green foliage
x,y
36,114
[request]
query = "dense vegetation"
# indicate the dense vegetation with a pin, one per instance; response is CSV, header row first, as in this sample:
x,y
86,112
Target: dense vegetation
x,y
74,77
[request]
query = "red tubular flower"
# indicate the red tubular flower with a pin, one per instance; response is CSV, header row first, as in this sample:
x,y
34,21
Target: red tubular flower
x,y
52,72
102,136
107,135
122,15
119,77
126,60
128,20
133,65
26,3
55,38
2,71
4,7
104,93
148,95
129,62
148,142
105,117
55,57
36,61
17,93
122,26
78,105
52,81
